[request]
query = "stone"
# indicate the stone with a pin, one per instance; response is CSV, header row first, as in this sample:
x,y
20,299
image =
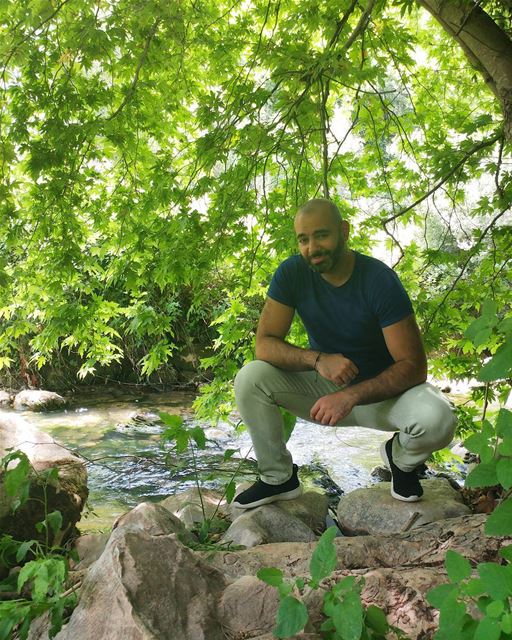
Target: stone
x,y
374,511
187,506
265,524
35,400
5,398
89,548
380,474
248,606
145,587
68,495
311,508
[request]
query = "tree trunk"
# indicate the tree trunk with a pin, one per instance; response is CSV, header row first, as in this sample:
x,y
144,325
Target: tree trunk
x,y
486,45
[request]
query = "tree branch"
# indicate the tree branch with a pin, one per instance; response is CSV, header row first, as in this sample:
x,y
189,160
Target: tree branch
x,y
135,80
478,147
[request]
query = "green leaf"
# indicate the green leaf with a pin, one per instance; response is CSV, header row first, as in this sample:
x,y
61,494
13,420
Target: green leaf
x,y
271,576
506,623
171,420
499,523
437,596
54,519
495,608
347,615
504,472
457,567
323,560
284,588
376,619
474,587
504,423
488,629
483,475
181,441
230,491
291,617
23,549
497,579
228,454
17,479
506,552
198,435
480,330
500,366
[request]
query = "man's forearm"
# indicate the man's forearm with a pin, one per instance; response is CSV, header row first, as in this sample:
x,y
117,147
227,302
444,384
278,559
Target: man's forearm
x,y
284,355
394,380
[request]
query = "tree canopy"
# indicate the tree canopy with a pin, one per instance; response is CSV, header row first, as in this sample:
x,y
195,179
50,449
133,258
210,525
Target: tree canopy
x,y
153,155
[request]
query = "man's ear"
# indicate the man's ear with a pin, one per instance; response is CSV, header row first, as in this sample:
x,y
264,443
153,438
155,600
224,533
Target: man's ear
x,y
345,229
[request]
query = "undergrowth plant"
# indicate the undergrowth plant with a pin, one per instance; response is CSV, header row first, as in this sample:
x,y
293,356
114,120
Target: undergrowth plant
x,y
477,604
193,439
345,616
39,587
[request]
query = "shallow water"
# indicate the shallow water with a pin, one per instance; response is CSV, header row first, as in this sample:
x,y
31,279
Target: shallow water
x,y
126,459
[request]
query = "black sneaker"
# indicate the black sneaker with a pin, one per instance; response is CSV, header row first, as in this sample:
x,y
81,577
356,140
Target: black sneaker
x,y
262,493
405,485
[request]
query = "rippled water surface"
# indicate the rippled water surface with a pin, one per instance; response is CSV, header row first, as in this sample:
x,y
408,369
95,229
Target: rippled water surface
x,y
126,458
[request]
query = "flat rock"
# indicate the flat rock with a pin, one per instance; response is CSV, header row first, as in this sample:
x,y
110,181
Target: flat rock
x,y
311,508
374,511
36,400
266,524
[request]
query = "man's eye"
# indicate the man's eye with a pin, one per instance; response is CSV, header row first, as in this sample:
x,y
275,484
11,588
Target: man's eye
x,y
303,240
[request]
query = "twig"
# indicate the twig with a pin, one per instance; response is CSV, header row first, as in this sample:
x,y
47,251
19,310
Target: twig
x,y
411,521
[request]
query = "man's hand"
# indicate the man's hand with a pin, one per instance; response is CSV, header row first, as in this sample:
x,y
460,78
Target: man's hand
x,y
332,408
336,368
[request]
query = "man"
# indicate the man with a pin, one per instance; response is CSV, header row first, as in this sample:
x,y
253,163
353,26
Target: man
x,y
365,366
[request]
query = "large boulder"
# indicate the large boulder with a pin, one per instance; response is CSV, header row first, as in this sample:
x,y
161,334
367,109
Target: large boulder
x,y
68,494
373,510
147,585
38,400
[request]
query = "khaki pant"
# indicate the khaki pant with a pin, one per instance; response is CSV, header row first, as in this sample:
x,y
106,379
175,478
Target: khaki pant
x,y
422,415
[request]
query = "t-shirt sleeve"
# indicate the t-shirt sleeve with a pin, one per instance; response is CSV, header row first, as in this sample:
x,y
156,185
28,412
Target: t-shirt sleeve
x,y
283,285
389,299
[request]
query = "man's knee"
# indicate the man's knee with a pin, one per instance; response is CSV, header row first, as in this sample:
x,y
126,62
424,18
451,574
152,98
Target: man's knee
x,y
436,419
250,376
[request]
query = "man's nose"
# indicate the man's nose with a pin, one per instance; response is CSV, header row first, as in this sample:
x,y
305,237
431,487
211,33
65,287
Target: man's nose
x,y
312,245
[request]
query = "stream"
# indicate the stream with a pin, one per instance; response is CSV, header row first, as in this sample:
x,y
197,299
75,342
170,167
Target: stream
x,y
118,433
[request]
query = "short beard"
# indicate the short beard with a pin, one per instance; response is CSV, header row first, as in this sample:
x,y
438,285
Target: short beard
x,y
333,258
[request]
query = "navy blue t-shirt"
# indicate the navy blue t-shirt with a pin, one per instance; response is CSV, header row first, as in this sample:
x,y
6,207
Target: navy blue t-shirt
x,y
348,319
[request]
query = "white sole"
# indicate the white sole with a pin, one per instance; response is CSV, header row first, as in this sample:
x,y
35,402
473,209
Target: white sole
x,y
287,495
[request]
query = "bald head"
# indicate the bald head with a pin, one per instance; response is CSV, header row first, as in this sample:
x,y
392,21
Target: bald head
x,y
316,205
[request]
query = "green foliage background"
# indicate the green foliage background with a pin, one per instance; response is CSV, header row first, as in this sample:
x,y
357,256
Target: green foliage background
x,y
153,155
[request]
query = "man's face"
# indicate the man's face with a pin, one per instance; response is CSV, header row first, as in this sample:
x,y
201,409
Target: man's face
x,y
321,239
